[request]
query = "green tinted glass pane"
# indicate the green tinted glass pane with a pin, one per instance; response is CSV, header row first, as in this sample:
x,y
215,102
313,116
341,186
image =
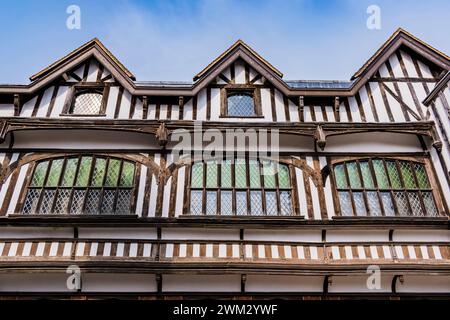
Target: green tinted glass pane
x,y
240,173
69,172
255,177
380,174
339,174
366,175
269,174
39,174
225,174
407,174
211,174
353,175
283,176
421,176
99,172
197,175
55,173
83,172
113,173
393,175
127,178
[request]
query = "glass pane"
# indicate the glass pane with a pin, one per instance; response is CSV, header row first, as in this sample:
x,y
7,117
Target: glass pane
x,y
241,203
123,202
197,175
69,172
255,176
402,203
240,173
55,173
360,206
407,174
39,174
226,174
269,174
353,175
92,202
430,206
271,204
211,174
346,203
211,203
62,201
421,176
374,204
31,201
113,173
47,201
285,203
380,174
196,202
99,172
366,175
256,208
87,103
127,178
77,201
83,172
388,206
108,201
283,176
393,175
414,201
226,204
240,105
339,173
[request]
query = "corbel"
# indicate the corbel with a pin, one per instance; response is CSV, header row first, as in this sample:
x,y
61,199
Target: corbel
x,y
395,279
17,105
301,107
145,106
437,143
162,134
181,107
336,109
320,137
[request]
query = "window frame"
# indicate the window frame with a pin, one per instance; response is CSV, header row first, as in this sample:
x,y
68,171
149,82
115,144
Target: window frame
x,y
27,186
79,89
252,91
247,189
390,189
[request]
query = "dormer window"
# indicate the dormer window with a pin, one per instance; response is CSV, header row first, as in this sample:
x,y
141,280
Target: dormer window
x,y
241,103
87,102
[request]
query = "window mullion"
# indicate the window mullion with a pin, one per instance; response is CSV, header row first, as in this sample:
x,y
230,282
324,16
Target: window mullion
x,y
364,191
404,189
377,188
419,190
219,188
350,188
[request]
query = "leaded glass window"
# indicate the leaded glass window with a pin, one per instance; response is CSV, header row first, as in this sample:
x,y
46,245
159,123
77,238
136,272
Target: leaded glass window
x,y
81,185
384,187
240,104
240,187
87,102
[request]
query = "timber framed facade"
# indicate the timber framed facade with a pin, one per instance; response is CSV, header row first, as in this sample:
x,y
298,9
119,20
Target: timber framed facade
x,y
90,178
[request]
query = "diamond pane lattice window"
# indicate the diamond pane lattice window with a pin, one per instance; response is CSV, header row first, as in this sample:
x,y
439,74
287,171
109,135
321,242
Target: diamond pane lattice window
x,y
240,104
81,185
381,187
87,103
240,187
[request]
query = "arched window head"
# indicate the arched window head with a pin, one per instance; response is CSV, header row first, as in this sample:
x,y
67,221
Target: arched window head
x,y
384,187
87,102
241,104
81,185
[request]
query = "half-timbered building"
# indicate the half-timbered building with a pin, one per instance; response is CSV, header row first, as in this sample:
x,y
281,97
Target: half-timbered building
x,y
92,183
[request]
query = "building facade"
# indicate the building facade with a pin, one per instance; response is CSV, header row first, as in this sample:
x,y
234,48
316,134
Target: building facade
x,y
238,184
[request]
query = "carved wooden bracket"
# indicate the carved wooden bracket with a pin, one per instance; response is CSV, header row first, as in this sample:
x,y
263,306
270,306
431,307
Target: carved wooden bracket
x,y
437,143
336,109
301,107
17,105
162,134
320,137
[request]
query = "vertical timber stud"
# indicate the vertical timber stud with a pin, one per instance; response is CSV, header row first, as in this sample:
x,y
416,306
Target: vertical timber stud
x,y
144,107
301,107
336,109
180,107
243,280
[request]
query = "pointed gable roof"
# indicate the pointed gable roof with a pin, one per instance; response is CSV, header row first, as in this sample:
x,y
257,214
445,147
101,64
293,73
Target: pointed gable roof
x,y
95,44
239,47
398,38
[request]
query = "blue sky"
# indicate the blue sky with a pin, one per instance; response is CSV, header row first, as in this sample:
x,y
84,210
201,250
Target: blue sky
x,y
173,40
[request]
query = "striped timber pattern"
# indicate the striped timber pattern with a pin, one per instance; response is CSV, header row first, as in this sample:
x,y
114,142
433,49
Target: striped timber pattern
x,y
295,253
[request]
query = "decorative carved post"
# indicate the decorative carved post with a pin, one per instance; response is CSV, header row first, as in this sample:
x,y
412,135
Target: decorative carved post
x,y
336,109
301,107
144,107
162,134
17,105
320,137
